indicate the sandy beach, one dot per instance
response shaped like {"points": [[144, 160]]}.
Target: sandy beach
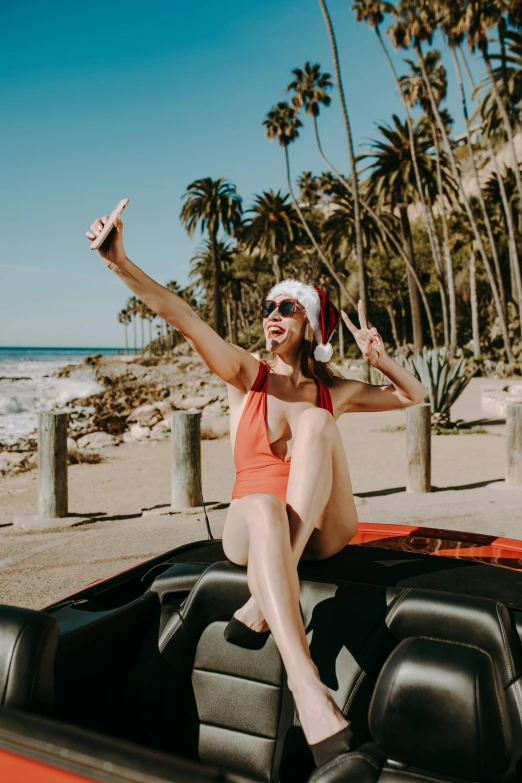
{"points": [[36, 568]]}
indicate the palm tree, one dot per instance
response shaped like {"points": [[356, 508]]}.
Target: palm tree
{"points": [[416, 22], [272, 229], [510, 86], [454, 39], [132, 308], [351, 152], [480, 17], [393, 182], [282, 123], [333, 182], [372, 12], [203, 265], [339, 227], [125, 319], [213, 205], [309, 189], [414, 92], [508, 77], [502, 190]]}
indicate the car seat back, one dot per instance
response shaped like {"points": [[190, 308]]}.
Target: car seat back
{"points": [[438, 712], [28, 643]]}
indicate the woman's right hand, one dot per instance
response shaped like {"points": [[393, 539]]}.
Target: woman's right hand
{"points": [[112, 250]]}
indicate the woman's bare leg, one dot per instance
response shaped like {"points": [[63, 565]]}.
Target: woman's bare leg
{"points": [[320, 504], [261, 521], [320, 508]]}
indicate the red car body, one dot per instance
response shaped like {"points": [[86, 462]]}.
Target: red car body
{"points": [[503, 553]]}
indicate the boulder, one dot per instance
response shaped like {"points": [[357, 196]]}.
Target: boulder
{"points": [[11, 461], [195, 402], [161, 430], [96, 440], [138, 432], [165, 408], [162, 426], [111, 423], [145, 415], [72, 446]]}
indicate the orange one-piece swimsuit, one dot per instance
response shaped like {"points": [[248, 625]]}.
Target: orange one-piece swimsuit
{"points": [[258, 469]]}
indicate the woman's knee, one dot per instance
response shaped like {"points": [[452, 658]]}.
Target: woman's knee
{"points": [[316, 422], [266, 512]]}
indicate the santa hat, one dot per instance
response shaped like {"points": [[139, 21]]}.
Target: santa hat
{"points": [[320, 311]]}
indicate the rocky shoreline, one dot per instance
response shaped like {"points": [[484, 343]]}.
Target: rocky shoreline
{"points": [[139, 394]]}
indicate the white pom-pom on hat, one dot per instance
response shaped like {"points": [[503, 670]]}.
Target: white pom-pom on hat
{"points": [[308, 296], [323, 353]]}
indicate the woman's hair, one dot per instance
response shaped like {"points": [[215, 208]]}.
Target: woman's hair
{"points": [[310, 367]]}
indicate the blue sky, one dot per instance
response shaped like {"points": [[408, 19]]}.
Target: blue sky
{"points": [[102, 101]]}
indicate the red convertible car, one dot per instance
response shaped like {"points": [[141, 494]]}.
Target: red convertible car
{"points": [[416, 631]]}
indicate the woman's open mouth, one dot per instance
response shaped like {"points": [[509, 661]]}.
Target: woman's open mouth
{"points": [[275, 331]]}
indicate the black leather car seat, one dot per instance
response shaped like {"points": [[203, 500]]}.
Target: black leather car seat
{"points": [[206, 699], [28, 643], [470, 620], [438, 712]]}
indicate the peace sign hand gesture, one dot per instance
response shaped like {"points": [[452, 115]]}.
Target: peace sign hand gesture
{"points": [[369, 340]]}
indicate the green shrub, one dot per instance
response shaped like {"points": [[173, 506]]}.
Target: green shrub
{"points": [[444, 379]]}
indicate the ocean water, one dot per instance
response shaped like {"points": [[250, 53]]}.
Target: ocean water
{"points": [[28, 385]]}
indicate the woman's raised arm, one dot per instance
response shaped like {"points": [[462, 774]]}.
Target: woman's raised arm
{"points": [[229, 362]]}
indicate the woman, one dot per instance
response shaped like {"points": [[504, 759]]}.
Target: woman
{"points": [[293, 496]]}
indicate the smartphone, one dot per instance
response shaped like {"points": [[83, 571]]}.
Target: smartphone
{"points": [[109, 225]]}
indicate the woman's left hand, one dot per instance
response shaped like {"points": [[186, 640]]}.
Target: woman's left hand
{"points": [[369, 340]]}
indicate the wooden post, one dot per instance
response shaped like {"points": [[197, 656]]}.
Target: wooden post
{"points": [[52, 465], [514, 443], [186, 457], [418, 447]]}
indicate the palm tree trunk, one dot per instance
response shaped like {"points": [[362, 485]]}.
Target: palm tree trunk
{"points": [[393, 322], [361, 270], [474, 304], [510, 222], [502, 27], [276, 269], [393, 241], [244, 322], [150, 335], [229, 321], [427, 214], [446, 249], [142, 336], [218, 307], [513, 252], [504, 115], [482, 203], [311, 236], [126, 340], [341, 335], [416, 321], [467, 207], [234, 322], [403, 323], [134, 325]]}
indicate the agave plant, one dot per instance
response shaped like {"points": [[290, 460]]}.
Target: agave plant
{"points": [[444, 379]]}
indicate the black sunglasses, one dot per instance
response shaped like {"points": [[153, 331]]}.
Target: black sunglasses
{"points": [[286, 307]]}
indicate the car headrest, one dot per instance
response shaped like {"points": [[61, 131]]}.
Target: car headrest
{"points": [[28, 643], [460, 618], [440, 706]]}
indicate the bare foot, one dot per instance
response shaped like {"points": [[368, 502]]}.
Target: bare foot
{"points": [[319, 715], [251, 615]]}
